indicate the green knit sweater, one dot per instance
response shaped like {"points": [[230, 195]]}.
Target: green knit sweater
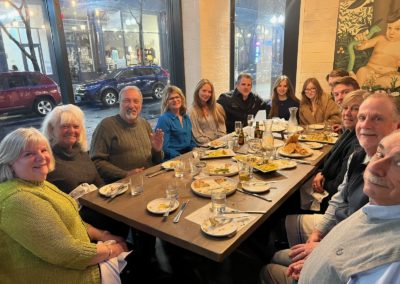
{"points": [[42, 237]]}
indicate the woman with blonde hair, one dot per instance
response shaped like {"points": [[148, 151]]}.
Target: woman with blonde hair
{"points": [[283, 97], [316, 106], [175, 123], [207, 116], [43, 237]]}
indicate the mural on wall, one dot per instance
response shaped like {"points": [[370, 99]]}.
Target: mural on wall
{"points": [[368, 42]]}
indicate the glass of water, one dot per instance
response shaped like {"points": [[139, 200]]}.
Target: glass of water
{"points": [[218, 200], [238, 126], [250, 121]]}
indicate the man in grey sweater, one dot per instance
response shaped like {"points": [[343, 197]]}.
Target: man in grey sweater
{"points": [[124, 144]]}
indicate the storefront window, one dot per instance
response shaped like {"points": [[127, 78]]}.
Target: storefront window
{"points": [[259, 34]]}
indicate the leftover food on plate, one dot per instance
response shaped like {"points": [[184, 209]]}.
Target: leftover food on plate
{"points": [[110, 189], [220, 153], [170, 164], [272, 165], [161, 205], [316, 126], [318, 137], [256, 187], [217, 144], [219, 226], [221, 168], [292, 148], [204, 186]]}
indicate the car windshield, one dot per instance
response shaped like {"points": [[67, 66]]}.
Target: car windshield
{"points": [[110, 75]]}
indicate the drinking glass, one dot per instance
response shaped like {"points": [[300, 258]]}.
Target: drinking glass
{"points": [[250, 121], [218, 200], [172, 191], [238, 126], [179, 169], [245, 171], [255, 145], [136, 184], [267, 144]]}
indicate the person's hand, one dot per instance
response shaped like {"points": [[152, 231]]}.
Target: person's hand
{"points": [[318, 183], [301, 251], [316, 236], [362, 38], [294, 269], [118, 248], [337, 128], [135, 171], [157, 140], [107, 236]]}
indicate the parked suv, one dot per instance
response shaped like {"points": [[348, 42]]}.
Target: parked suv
{"points": [[151, 80], [28, 91]]}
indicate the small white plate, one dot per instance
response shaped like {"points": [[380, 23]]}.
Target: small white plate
{"points": [[220, 153], [109, 189], [316, 126], [161, 205], [226, 168], [256, 186], [313, 145], [170, 164], [219, 227], [216, 144]]}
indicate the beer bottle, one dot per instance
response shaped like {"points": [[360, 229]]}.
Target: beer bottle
{"points": [[257, 131], [241, 137]]}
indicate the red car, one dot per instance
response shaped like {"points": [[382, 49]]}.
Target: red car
{"points": [[28, 91]]}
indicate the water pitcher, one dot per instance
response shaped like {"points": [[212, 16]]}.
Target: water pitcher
{"points": [[292, 124]]}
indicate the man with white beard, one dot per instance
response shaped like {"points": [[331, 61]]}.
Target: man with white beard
{"points": [[124, 144]]}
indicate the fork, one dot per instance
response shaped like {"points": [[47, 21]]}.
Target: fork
{"points": [[166, 214]]}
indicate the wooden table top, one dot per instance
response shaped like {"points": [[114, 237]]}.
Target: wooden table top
{"points": [[132, 209]]}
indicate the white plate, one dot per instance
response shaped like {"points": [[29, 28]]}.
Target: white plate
{"points": [[226, 168], [216, 144], [220, 153], [296, 129], [161, 205], [219, 227], [272, 166], [109, 189], [278, 143], [170, 164], [316, 126], [319, 137], [313, 145], [256, 186], [203, 186], [295, 155]]}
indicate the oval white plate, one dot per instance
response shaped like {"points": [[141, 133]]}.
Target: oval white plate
{"points": [[316, 126], [219, 227], [217, 144], [170, 164], [221, 168], [313, 145], [203, 186], [256, 186], [295, 155], [161, 205], [109, 189]]}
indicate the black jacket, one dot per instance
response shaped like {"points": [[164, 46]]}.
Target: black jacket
{"points": [[236, 109]]}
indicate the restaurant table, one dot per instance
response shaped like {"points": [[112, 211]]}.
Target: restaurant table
{"points": [[132, 210]]}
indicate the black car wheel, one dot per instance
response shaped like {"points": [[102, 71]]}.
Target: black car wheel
{"points": [[109, 98], [43, 106], [158, 91]]}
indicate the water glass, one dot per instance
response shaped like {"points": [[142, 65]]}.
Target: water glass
{"points": [[136, 183], [230, 143], [179, 169], [172, 191], [218, 201], [238, 126], [250, 121], [245, 172]]}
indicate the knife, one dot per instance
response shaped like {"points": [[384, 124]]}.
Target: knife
{"points": [[295, 160], [254, 194], [157, 173], [178, 216]]}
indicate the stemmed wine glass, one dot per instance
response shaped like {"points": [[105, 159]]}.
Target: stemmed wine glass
{"points": [[250, 121]]}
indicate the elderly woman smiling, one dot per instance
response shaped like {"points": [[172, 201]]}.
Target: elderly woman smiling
{"points": [[42, 236]]}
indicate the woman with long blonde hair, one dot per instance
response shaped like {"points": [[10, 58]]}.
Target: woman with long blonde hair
{"points": [[207, 116]]}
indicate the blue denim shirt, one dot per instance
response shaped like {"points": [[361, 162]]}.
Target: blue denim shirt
{"points": [[178, 139]]}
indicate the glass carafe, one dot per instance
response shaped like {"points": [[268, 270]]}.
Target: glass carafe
{"points": [[292, 124]]}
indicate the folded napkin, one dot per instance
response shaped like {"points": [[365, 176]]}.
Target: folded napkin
{"points": [[81, 190], [110, 269], [310, 199]]}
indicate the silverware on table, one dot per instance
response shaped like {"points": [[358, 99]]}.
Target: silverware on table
{"points": [[170, 206], [117, 192], [153, 174], [244, 212], [296, 160], [178, 216], [254, 194]]}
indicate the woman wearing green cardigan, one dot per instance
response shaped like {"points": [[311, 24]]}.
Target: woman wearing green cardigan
{"points": [[42, 237]]}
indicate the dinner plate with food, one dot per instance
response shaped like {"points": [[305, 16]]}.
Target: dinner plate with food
{"points": [[319, 137], [226, 168], [219, 153], [162, 205], [113, 189], [257, 163], [170, 165], [217, 144], [204, 186], [293, 149], [316, 126], [219, 226]]}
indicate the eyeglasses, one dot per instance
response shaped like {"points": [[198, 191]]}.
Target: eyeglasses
{"points": [[310, 90]]}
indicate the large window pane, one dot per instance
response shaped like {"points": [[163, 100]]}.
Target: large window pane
{"points": [[259, 33]]}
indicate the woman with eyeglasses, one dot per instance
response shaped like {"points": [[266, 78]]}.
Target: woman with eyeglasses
{"points": [[316, 106], [175, 123]]}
